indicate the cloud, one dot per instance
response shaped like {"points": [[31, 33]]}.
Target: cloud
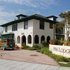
{"points": [[32, 3], [6, 16], [20, 2]]}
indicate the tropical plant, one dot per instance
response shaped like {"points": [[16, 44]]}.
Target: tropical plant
{"points": [[65, 15]]}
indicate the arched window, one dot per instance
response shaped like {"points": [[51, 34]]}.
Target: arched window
{"points": [[42, 39], [29, 39], [18, 39], [36, 39], [48, 39]]}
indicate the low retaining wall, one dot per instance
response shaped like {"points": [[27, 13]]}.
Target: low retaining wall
{"points": [[60, 50]]}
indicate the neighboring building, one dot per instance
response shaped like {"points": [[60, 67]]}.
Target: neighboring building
{"points": [[30, 30]]}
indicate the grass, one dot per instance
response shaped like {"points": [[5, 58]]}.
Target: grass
{"points": [[58, 58], [45, 50], [65, 65]]}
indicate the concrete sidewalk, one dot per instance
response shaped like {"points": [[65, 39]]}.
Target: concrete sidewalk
{"points": [[16, 65]]}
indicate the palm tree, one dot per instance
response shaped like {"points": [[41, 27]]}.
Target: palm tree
{"points": [[66, 16]]}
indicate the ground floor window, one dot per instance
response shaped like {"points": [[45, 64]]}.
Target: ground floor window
{"points": [[36, 39], [18, 39], [29, 39], [42, 39]]}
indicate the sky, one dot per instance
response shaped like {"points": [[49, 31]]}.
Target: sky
{"points": [[10, 8]]}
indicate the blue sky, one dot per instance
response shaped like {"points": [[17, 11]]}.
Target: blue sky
{"points": [[10, 8]]}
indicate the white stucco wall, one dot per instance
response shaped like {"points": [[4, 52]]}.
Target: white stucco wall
{"points": [[46, 32], [33, 29], [21, 31]]}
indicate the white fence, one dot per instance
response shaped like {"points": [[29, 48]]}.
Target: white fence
{"points": [[60, 50]]}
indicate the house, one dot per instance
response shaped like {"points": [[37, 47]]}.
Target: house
{"points": [[30, 30]]}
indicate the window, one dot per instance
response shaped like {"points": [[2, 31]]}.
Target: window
{"points": [[36, 39], [14, 27], [26, 25], [6, 29], [51, 25], [18, 39], [29, 39], [41, 24], [42, 39]]}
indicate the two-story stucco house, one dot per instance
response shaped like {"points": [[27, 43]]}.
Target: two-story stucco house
{"points": [[31, 30]]}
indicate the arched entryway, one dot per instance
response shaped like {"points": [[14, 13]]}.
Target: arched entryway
{"points": [[36, 39], [42, 39], [29, 39], [23, 40], [48, 39]]}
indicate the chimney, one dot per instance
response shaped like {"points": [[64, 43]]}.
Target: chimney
{"points": [[20, 16], [54, 18]]}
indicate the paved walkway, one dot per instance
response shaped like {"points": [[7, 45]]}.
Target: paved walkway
{"points": [[16, 65], [27, 56]]}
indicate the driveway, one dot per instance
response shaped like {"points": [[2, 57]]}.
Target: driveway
{"points": [[27, 56]]}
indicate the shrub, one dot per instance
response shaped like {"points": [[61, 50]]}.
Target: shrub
{"points": [[67, 42], [25, 46], [61, 41], [57, 42], [36, 47], [45, 50], [17, 47], [45, 44], [58, 57], [52, 42], [65, 59]]}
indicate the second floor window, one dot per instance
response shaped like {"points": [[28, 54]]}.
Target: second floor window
{"points": [[41, 24], [26, 25], [51, 25], [6, 29], [14, 27]]}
